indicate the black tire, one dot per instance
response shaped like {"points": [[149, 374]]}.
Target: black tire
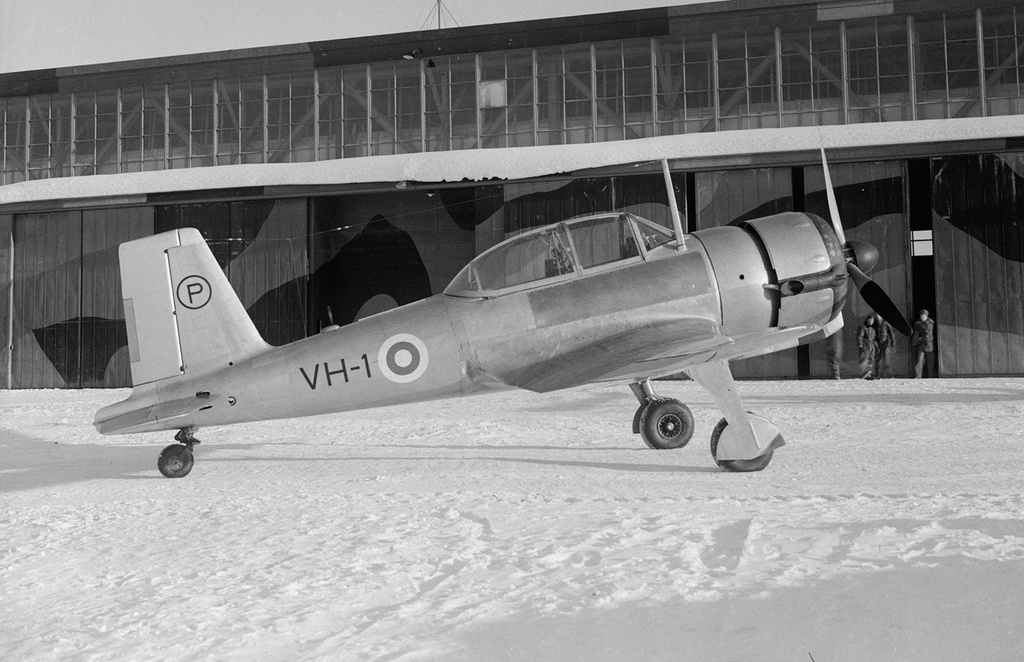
{"points": [[175, 461], [636, 417], [666, 424], [756, 464]]}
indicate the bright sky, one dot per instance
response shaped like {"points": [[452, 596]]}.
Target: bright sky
{"points": [[40, 34]]}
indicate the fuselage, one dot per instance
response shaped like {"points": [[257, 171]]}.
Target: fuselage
{"points": [[728, 292]]}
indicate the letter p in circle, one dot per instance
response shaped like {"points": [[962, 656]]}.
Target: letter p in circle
{"points": [[194, 292]]}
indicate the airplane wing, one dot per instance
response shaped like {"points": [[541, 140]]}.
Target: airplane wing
{"points": [[662, 348], [673, 339]]}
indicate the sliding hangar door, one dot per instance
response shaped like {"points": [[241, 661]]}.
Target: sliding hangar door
{"points": [[297, 265], [949, 230]]}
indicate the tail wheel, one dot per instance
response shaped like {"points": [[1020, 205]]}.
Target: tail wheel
{"points": [[666, 424], [755, 464], [175, 461]]}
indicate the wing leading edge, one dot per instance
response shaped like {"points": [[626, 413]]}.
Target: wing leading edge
{"points": [[607, 357]]}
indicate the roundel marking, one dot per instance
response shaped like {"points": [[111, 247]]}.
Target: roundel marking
{"points": [[403, 358], [194, 292]]}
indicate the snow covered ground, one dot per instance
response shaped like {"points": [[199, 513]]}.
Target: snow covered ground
{"points": [[523, 527]]}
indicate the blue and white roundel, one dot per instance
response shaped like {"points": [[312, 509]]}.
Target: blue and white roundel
{"points": [[403, 358]]}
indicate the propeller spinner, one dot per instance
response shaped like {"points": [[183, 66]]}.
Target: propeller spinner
{"points": [[861, 257]]}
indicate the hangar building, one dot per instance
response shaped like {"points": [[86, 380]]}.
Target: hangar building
{"points": [[236, 143]]}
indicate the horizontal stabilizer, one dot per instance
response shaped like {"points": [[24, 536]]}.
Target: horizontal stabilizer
{"points": [[123, 418]]}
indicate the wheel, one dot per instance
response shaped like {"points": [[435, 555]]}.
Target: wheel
{"points": [[666, 424], [755, 464], [175, 461]]}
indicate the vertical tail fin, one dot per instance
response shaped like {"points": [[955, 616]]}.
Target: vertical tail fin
{"points": [[183, 316]]}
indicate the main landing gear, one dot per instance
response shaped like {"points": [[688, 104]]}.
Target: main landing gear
{"points": [[176, 460], [663, 423]]}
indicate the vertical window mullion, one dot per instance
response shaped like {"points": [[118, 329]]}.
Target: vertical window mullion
{"points": [[536, 109], [447, 96], [912, 59], [947, 98], [266, 132], [746, 77], [565, 88], [878, 73], [28, 135], [191, 125], [423, 105], [74, 133], [593, 91], [369, 112], [778, 73], [316, 114], [216, 119], [167, 126], [844, 75], [3, 147], [716, 83], [120, 129], [979, 34], [652, 45], [476, 103]]}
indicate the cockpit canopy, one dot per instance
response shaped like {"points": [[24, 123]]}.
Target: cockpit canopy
{"points": [[559, 252]]}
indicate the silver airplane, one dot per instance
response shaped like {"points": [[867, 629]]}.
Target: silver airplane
{"points": [[604, 298]]}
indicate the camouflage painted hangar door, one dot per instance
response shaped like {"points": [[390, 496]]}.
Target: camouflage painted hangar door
{"points": [[978, 214], [46, 294], [68, 323]]}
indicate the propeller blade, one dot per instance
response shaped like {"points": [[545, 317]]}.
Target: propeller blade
{"points": [[833, 206], [879, 301]]}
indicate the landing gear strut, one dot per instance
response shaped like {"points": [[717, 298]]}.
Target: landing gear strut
{"points": [[663, 423], [176, 460]]}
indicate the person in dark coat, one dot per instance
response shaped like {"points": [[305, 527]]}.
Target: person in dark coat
{"points": [[922, 342], [886, 339], [867, 345], [834, 352]]}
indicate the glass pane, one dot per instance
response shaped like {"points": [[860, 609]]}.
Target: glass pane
{"points": [[251, 120], [811, 76], [638, 100], [463, 95], [550, 97], [652, 235], [202, 124], [228, 122], [15, 128], [610, 91], [153, 127], [1004, 65], [382, 109], [604, 240], [531, 258], [355, 109]]}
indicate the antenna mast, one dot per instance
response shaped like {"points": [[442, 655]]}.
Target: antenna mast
{"points": [[442, 11]]}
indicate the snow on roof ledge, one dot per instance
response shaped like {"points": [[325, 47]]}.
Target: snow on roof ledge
{"points": [[514, 162]]}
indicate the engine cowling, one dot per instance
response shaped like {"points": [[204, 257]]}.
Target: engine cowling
{"points": [[778, 271]]}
